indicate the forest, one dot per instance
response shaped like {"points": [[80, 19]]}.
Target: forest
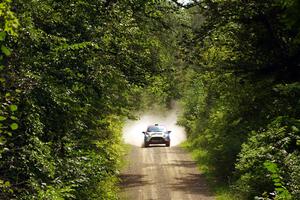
{"points": [[72, 72]]}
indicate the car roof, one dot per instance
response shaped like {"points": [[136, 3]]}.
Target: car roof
{"points": [[156, 128], [156, 125]]}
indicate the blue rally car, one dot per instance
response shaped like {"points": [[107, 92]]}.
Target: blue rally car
{"points": [[157, 134]]}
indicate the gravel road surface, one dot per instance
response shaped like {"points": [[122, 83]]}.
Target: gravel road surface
{"points": [[162, 173]]}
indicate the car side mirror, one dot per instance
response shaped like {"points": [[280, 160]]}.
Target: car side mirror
{"points": [[169, 132], [144, 132]]}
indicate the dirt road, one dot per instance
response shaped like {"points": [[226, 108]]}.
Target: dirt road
{"points": [[162, 173]]}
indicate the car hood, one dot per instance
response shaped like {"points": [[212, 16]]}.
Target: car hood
{"points": [[156, 133]]}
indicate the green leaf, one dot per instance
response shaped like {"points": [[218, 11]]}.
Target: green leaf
{"points": [[271, 167], [14, 126], [5, 50], [7, 184], [2, 142], [2, 118], [13, 117], [295, 129], [279, 189], [13, 108], [2, 36], [1, 67], [278, 184]]}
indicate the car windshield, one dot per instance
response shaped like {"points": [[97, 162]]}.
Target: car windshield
{"points": [[156, 129]]}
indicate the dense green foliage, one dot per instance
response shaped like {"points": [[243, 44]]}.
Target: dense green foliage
{"points": [[8, 97], [71, 71], [242, 94]]}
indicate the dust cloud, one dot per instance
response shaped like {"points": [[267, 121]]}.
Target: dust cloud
{"points": [[132, 131]]}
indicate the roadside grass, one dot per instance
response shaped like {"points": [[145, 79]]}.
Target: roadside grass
{"points": [[222, 191], [126, 148], [124, 162]]}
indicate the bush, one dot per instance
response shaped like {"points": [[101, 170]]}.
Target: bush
{"points": [[278, 144]]}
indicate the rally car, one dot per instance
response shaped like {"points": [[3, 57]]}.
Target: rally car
{"points": [[157, 134]]}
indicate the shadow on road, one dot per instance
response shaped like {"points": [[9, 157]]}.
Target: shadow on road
{"points": [[132, 180], [192, 183], [162, 173]]}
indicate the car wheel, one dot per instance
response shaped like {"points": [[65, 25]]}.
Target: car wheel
{"points": [[146, 145], [167, 144]]}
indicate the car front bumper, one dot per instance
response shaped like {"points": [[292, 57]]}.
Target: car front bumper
{"points": [[157, 140]]}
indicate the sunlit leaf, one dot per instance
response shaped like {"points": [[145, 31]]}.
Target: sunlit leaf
{"points": [[7, 184], [14, 126], [13, 117], [2, 36], [2, 141], [5, 50], [13, 108]]}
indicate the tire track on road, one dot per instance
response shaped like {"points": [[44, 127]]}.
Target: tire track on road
{"points": [[162, 173]]}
